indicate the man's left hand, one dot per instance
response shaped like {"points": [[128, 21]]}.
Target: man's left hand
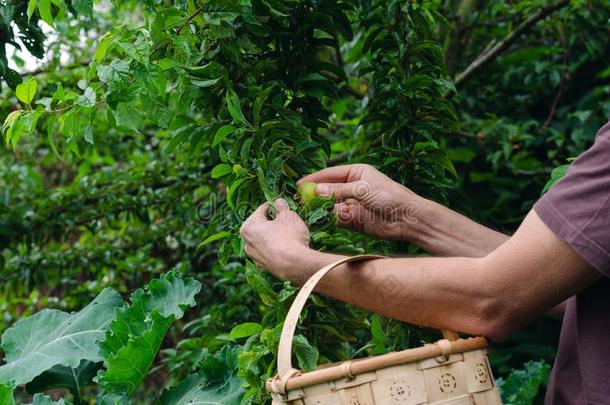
{"points": [[280, 245]]}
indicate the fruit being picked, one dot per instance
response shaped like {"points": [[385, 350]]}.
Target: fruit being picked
{"points": [[306, 192]]}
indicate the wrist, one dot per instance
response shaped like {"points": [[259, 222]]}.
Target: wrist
{"points": [[417, 214], [303, 262]]}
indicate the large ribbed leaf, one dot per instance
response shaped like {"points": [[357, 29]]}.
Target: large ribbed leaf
{"points": [[51, 337], [194, 390], [6, 395], [134, 337], [215, 384], [72, 379]]}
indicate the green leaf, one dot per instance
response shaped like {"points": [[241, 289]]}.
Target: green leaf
{"points": [[26, 91], [87, 99], [221, 169], [172, 294], [215, 237], [522, 386], [217, 382], [203, 83], [72, 379], [257, 280], [233, 189], [31, 8], [115, 72], [179, 138], [83, 7], [51, 137], [306, 354], [103, 45], [377, 331], [234, 106], [10, 123], [222, 133], [556, 175], [50, 337], [44, 9], [246, 329], [127, 366], [128, 117], [20, 123], [134, 337], [6, 395]]}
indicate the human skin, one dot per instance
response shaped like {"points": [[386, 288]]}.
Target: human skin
{"points": [[370, 202], [486, 284], [364, 194]]}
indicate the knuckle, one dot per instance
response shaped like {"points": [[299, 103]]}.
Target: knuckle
{"points": [[361, 189]]}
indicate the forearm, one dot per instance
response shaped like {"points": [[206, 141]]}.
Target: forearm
{"points": [[439, 292], [444, 232], [525, 277]]}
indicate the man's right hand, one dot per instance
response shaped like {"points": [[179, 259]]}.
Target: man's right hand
{"points": [[368, 201]]}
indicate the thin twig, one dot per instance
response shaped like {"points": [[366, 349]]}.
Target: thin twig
{"points": [[188, 20], [564, 78], [489, 55]]}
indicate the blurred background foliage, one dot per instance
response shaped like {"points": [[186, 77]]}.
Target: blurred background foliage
{"points": [[155, 126]]}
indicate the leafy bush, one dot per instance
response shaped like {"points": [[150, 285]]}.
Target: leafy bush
{"points": [[522, 386], [154, 128]]}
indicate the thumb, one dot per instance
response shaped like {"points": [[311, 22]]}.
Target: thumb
{"points": [[283, 210], [342, 191], [281, 205]]}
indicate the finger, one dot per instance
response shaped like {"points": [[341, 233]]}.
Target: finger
{"points": [[248, 250], [343, 213], [337, 174], [283, 211], [251, 253], [281, 205], [350, 215], [261, 213], [357, 190]]}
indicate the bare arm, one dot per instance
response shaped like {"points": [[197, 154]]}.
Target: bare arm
{"points": [[492, 295], [448, 233], [444, 232], [374, 204]]}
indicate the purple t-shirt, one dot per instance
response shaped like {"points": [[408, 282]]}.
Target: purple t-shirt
{"points": [[577, 210]]}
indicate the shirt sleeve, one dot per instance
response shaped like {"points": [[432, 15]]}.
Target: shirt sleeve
{"points": [[577, 207]]}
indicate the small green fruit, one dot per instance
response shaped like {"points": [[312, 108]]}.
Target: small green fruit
{"points": [[306, 192]]}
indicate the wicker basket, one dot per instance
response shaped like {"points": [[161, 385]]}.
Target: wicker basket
{"points": [[451, 371]]}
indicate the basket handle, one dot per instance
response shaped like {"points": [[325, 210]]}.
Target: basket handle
{"points": [[284, 360]]}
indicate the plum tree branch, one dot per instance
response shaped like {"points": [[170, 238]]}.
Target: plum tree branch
{"points": [[494, 51]]}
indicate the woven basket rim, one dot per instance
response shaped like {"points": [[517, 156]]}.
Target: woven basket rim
{"points": [[328, 373]]}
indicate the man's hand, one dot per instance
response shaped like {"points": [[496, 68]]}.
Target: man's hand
{"points": [[279, 245], [367, 200], [370, 202]]}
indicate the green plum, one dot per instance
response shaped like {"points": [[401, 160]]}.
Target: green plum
{"points": [[306, 192]]}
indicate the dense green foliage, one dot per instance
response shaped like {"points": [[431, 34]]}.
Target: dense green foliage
{"points": [[153, 129]]}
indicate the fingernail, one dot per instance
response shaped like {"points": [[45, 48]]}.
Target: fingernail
{"points": [[281, 203], [323, 190]]}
